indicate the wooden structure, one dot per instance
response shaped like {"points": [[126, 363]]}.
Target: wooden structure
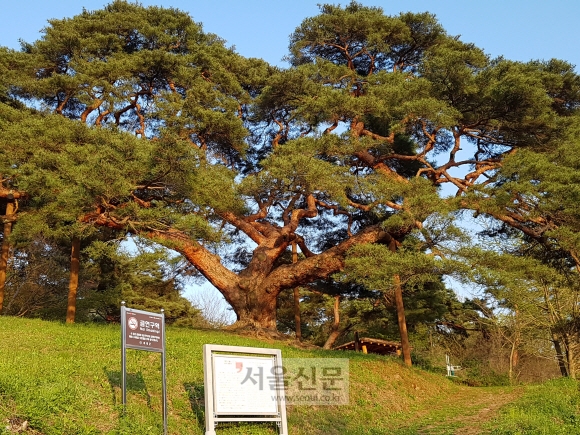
{"points": [[372, 345]]}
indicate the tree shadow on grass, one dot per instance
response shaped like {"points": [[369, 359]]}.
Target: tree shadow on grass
{"points": [[196, 395], [135, 383]]}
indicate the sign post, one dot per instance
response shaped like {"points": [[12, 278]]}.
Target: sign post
{"points": [[143, 330], [243, 384]]}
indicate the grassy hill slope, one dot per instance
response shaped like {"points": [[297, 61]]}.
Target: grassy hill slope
{"points": [[65, 380]]}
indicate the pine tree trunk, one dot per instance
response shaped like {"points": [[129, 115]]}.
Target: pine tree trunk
{"points": [[255, 309], [402, 322], [514, 354], [406, 346], [570, 355], [335, 331], [297, 317], [557, 339], [513, 357], [559, 355], [5, 251], [73, 283]]}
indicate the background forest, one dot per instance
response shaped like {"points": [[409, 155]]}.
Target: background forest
{"points": [[139, 153]]}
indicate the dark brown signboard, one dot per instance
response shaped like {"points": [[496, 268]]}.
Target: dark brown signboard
{"points": [[144, 330]]}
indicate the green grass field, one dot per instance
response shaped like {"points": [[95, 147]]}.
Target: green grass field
{"points": [[65, 380]]}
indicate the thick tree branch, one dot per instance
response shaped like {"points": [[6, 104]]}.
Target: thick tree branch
{"points": [[11, 194], [322, 265], [243, 225]]}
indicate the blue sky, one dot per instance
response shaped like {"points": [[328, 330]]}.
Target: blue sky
{"points": [[517, 29]]}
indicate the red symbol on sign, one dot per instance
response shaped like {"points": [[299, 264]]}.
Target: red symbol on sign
{"points": [[133, 323], [239, 366]]}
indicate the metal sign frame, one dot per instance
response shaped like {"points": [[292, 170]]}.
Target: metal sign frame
{"points": [[213, 416], [152, 340]]}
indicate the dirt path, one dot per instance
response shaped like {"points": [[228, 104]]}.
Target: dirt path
{"points": [[463, 413]]}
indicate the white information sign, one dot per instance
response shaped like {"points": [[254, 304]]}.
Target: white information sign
{"points": [[238, 378], [243, 384]]}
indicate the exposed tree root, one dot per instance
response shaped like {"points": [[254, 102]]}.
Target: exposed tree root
{"points": [[248, 329], [253, 330]]}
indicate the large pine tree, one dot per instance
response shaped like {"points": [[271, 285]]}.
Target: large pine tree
{"points": [[234, 160]]}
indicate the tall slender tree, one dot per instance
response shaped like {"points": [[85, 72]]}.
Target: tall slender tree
{"points": [[73, 284], [5, 254]]}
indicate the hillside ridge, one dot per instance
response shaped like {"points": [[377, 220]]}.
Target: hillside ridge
{"points": [[65, 379]]}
